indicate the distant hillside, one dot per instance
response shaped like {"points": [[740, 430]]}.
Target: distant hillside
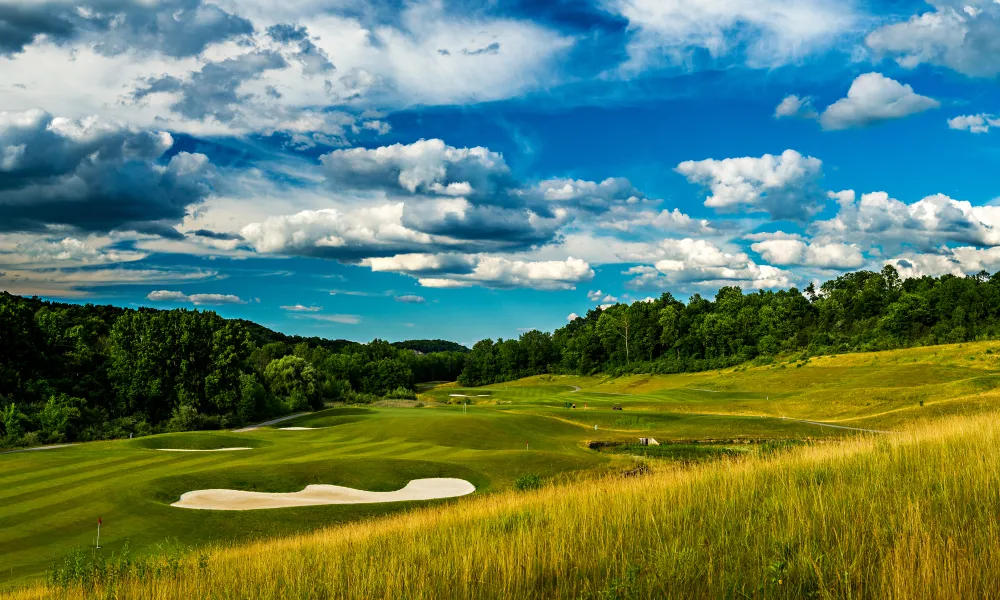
{"points": [[428, 346], [263, 335]]}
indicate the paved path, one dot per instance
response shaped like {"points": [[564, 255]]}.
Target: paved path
{"points": [[839, 426], [38, 448], [266, 423]]}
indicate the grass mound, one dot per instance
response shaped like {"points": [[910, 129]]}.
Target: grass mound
{"points": [[904, 516], [198, 440]]}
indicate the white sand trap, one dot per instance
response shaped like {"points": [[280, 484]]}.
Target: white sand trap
{"points": [[298, 428], [212, 450], [316, 495]]}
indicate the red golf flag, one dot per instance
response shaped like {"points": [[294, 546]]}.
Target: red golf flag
{"points": [[99, 520]]}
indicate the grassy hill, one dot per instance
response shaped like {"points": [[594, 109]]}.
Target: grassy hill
{"points": [[772, 490]]}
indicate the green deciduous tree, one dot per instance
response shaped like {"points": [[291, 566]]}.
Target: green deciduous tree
{"points": [[293, 380], [62, 417], [384, 375], [12, 420], [613, 327]]}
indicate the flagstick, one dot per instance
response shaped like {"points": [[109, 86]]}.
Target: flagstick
{"points": [[98, 534]]}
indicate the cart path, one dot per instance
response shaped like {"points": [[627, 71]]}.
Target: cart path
{"points": [[839, 426], [266, 423], [38, 448]]}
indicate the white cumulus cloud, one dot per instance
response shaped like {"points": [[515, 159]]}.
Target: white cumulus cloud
{"points": [[599, 296], [877, 218], [874, 98], [963, 35], [980, 123], [810, 254], [785, 186], [959, 261], [452, 271], [426, 166], [700, 263], [795, 106]]}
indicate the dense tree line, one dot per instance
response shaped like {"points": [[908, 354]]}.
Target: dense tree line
{"points": [[861, 311], [85, 372]]}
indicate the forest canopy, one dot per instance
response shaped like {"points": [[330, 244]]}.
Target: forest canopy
{"points": [[85, 372]]}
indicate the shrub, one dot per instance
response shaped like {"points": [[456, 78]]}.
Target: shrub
{"points": [[402, 393], [361, 398], [187, 418], [525, 483]]}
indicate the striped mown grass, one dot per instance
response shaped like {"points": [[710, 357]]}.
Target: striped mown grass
{"points": [[911, 515]]}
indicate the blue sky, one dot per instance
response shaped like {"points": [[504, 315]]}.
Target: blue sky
{"points": [[476, 169]]}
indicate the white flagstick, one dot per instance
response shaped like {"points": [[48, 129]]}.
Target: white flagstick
{"points": [[98, 533]]}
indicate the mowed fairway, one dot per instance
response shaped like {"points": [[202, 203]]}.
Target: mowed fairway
{"points": [[50, 500]]}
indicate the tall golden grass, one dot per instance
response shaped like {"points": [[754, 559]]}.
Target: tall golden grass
{"points": [[913, 515]]}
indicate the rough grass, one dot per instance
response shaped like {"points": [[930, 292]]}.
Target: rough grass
{"points": [[680, 452], [911, 515], [878, 390]]}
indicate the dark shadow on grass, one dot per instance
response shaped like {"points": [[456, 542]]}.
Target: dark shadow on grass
{"points": [[199, 440], [329, 417]]}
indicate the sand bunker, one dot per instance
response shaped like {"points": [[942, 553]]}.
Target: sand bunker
{"points": [[316, 495], [192, 450], [297, 428]]}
